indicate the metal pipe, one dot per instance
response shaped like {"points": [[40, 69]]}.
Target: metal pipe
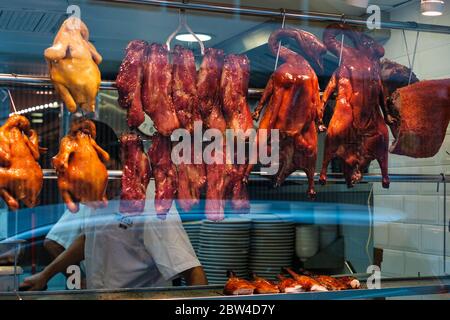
{"points": [[291, 14], [301, 176]]}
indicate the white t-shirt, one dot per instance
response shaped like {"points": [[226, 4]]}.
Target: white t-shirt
{"points": [[68, 228], [135, 251]]}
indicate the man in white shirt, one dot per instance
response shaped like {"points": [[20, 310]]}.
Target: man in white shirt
{"points": [[127, 251]]}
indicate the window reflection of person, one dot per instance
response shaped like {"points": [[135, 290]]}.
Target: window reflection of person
{"points": [[124, 251]]}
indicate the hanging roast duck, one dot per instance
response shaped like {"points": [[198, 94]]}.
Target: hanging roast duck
{"points": [[357, 132]]}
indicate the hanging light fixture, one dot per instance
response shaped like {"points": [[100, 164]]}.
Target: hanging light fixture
{"points": [[432, 8]]}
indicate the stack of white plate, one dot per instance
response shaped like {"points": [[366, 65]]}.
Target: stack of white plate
{"points": [[193, 231], [328, 234], [224, 246], [307, 241], [272, 246]]}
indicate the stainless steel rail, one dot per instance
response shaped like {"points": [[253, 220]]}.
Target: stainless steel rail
{"points": [[27, 81], [289, 14], [300, 176]]}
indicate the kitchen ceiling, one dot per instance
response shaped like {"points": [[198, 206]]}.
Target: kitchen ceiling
{"points": [[28, 27]]}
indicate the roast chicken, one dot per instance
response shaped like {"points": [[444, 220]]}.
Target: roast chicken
{"points": [[208, 90], [263, 286], [164, 172], [238, 286], [288, 285], [357, 132], [73, 64], [80, 167], [21, 177], [129, 82], [157, 90], [136, 174], [307, 283], [292, 98]]}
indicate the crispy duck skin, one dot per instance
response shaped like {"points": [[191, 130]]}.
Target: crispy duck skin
{"points": [[288, 285], [129, 82], [164, 172], [237, 286], [208, 89], [307, 283], [80, 167], [292, 98], [357, 132], [263, 286], [157, 90], [184, 88], [73, 66], [136, 174], [21, 177]]}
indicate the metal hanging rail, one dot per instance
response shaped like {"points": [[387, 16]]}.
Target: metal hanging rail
{"points": [[300, 176], [289, 14]]}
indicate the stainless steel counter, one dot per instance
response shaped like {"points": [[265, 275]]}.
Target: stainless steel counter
{"points": [[389, 288]]}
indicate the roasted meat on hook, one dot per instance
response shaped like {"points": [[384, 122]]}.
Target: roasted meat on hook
{"points": [[80, 167], [208, 90], [157, 90], [292, 99], [21, 177], [357, 132], [164, 172], [129, 82], [136, 174], [73, 62]]}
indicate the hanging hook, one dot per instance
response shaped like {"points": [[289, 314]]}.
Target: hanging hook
{"points": [[183, 23], [414, 58], [407, 49], [12, 101], [283, 23]]}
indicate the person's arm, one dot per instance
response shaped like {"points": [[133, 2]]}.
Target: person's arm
{"points": [[73, 255], [53, 248], [195, 276]]}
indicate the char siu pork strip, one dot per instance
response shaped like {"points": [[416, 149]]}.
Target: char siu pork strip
{"points": [[136, 174], [208, 89], [237, 286], [129, 82], [164, 172], [157, 90], [184, 87]]}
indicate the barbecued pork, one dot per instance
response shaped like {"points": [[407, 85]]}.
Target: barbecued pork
{"points": [[307, 283], [157, 90], [164, 172], [208, 89], [263, 286], [237, 286], [129, 82], [136, 174]]}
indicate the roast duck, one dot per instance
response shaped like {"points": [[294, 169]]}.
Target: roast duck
{"points": [[419, 111], [357, 133], [237, 286], [21, 177], [80, 167], [135, 176], [291, 99], [73, 65]]}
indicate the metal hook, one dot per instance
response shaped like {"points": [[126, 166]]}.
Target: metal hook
{"points": [[183, 23], [414, 58], [12, 101], [283, 23], [407, 49]]}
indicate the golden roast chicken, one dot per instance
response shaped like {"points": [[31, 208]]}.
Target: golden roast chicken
{"points": [[80, 166], [73, 62], [21, 176]]}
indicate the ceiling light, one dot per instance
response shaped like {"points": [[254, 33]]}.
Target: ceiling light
{"points": [[358, 3], [187, 37], [432, 8]]}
